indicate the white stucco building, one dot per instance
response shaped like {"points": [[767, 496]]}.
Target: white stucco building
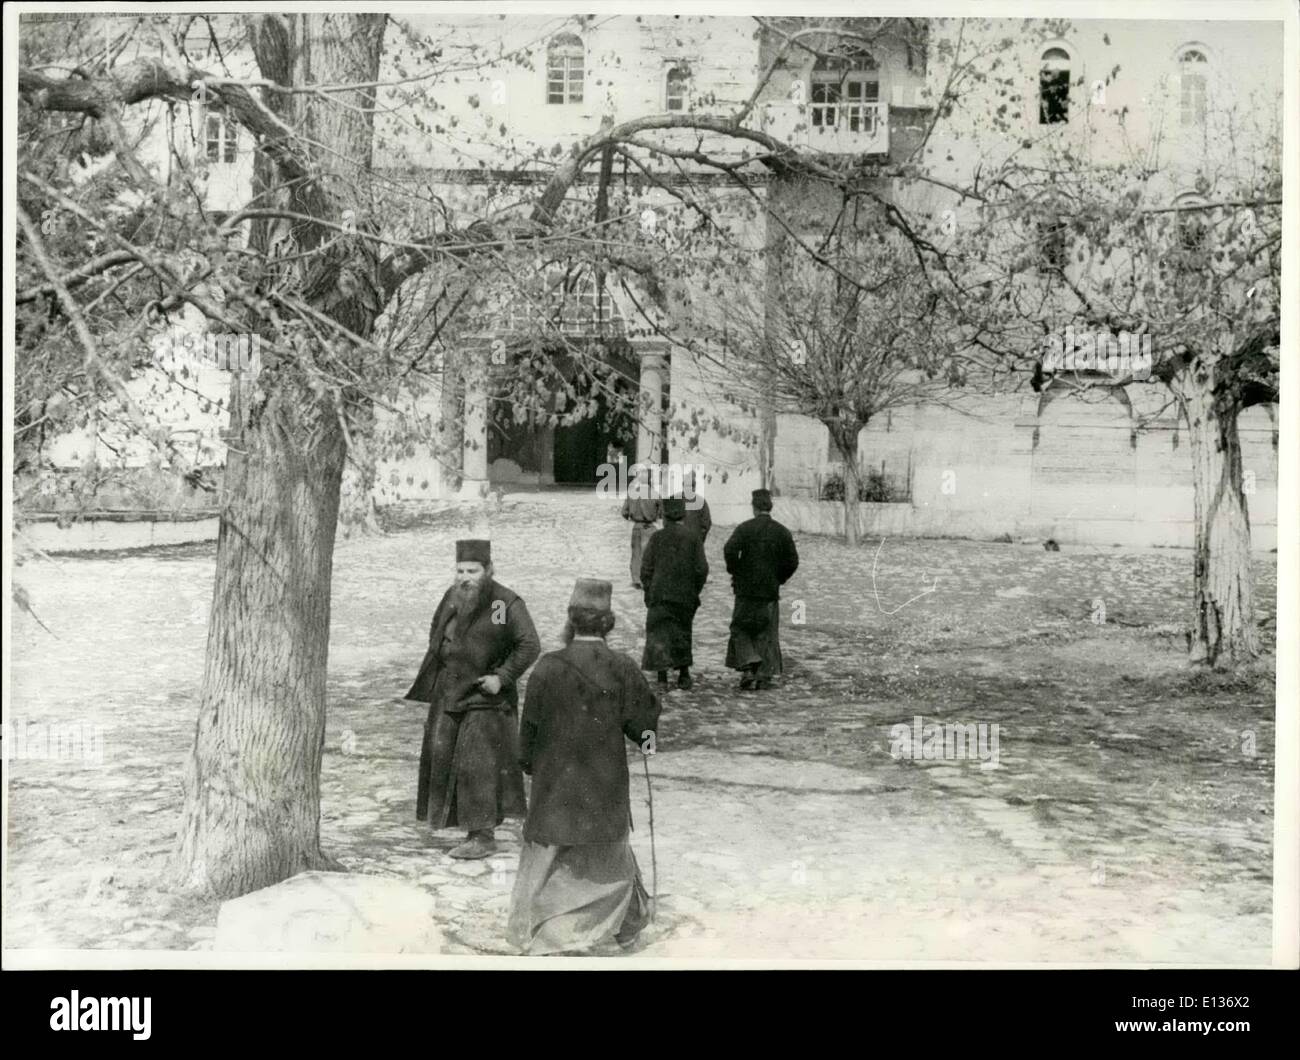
{"points": [[524, 89]]}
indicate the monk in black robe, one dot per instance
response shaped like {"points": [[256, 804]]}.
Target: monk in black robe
{"points": [[481, 642], [698, 519], [579, 884], [761, 557], [673, 571]]}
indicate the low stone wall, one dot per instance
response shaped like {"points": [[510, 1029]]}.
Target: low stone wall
{"points": [[823, 517], [907, 520], [115, 531]]}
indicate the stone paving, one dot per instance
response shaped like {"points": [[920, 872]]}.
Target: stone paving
{"points": [[1129, 816]]}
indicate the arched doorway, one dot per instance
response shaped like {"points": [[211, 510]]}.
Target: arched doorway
{"points": [[567, 382], [1083, 456], [586, 416], [581, 447]]}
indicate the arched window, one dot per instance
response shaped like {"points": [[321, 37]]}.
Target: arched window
{"points": [[1193, 224], [1193, 65], [221, 138], [677, 92], [580, 303], [1054, 87], [564, 69], [845, 91], [575, 301]]}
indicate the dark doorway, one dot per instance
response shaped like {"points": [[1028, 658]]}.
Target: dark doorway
{"points": [[578, 452], [581, 448], [570, 453]]}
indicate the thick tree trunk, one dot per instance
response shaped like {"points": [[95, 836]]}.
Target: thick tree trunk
{"points": [[767, 444], [252, 786], [1223, 620]]}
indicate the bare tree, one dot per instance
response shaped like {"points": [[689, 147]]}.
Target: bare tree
{"points": [[1186, 284], [841, 336]]}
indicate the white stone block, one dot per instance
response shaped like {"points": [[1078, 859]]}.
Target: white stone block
{"points": [[331, 912]]}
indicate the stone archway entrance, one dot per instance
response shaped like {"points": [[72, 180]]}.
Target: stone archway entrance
{"points": [[555, 386], [1083, 460], [523, 447]]}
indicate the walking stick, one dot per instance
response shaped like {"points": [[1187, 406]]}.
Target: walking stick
{"points": [[654, 865]]}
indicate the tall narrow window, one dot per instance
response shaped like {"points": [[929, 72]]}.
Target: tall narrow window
{"points": [[564, 69], [221, 138], [678, 87], [846, 92], [1054, 87], [1192, 66]]}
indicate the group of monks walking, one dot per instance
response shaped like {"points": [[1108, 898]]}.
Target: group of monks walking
{"points": [[578, 884], [670, 567]]}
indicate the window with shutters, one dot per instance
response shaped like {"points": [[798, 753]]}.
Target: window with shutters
{"points": [[565, 59]]}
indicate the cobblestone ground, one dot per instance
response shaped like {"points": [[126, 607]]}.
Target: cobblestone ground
{"points": [[1129, 816]]}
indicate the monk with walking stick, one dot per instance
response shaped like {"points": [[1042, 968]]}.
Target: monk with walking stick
{"points": [[579, 884]]}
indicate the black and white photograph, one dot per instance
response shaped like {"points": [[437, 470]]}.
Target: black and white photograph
{"points": [[651, 485]]}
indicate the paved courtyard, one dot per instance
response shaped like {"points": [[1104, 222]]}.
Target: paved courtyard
{"points": [[1127, 817]]}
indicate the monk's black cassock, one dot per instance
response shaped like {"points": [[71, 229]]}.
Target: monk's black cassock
{"points": [[673, 571], [578, 880], [761, 557], [698, 519], [469, 773]]}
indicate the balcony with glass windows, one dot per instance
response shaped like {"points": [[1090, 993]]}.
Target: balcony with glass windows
{"points": [[835, 127]]}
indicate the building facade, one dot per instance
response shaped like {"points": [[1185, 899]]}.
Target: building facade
{"points": [[521, 91]]}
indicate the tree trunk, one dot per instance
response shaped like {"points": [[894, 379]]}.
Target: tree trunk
{"points": [[252, 786], [767, 443], [1223, 619], [845, 438], [852, 504], [251, 815]]}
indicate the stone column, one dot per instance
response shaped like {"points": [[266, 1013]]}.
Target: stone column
{"points": [[652, 356], [474, 464], [546, 455], [448, 437]]}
